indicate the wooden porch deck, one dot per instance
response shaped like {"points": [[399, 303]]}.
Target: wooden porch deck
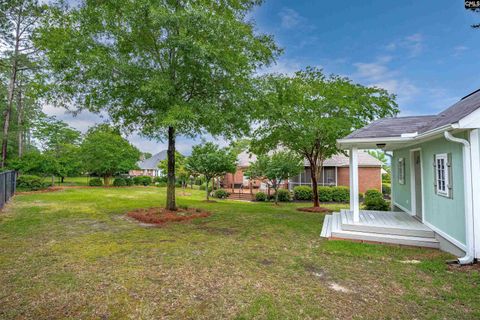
{"points": [[379, 226]]}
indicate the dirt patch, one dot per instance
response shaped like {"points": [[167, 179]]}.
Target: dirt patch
{"points": [[161, 216], [315, 209], [266, 262], [467, 268], [218, 230], [49, 189]]}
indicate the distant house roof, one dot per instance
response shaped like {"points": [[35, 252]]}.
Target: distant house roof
{"points": [[395, 127], [153, 161], [338, 160]]}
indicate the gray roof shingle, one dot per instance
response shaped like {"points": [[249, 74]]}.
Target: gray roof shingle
{"points": [[153, 161], [395, 127]]}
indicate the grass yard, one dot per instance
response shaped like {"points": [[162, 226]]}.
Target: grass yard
{"points": [[73, 254]]}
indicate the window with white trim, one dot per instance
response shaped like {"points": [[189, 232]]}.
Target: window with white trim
{"points": [[442, 175], [401, 171]]}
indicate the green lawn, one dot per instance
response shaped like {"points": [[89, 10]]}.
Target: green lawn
{"points": [[72, 254]]}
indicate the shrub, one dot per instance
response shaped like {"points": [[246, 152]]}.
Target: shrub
{"points": [[386, 189], [284, 195], [374, 201], [128, 181], [142, 180], [340, 194], [302, 193], [119, 182], [260, 196], [221, 194], [95, 182], [361, 196], [30, 183], [161, 184], [159, 179], [325, 194]]}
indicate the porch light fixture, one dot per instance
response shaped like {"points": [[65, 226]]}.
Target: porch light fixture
{"points": [[381, 145]]}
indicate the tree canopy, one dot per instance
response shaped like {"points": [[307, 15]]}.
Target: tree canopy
{"points": [[211, 161], [308, 112], [276, 168], [163, 68], [105, 152]]}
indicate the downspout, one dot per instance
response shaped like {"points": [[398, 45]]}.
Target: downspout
{"points": [[467, 173]]}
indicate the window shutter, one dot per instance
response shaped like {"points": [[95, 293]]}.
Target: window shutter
{"points": [[435, 174], [450, 180]]}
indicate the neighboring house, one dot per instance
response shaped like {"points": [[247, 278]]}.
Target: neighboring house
{"points": [[334, 173], [149, 167], [435, 181]]}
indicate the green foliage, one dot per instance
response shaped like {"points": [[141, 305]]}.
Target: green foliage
{"points": [[386, 189], [283, 195], [30, 183], [181, 172], [307, 113], [203, 186], [142, 180], [302, 193], [95, 182], [129, 182], [261, 196], [275, 168], [381, 156], [34, 163], [374, 201], [325, 194], [161, 184], [221, 194], [169, 67], [159, 179], [340, 194], [211, 161], [105, 153], [119, 182]]}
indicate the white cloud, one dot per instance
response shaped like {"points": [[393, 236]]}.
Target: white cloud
{"points": [[290, 18], [413, 44], [459, 50]]}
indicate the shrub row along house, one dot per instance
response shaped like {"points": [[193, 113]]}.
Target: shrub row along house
{"points": [[435, 181], [335, 172]]}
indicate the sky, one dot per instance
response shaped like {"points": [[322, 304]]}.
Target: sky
{"points": [[424, 51]]}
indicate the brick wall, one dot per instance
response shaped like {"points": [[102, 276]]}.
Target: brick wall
{"points": [[368, 178]]}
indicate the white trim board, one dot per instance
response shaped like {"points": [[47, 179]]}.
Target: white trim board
{"points": [[403, 208], [446, 236]]}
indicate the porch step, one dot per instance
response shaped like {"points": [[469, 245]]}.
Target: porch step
{"points": [[385, 222], [338, 233], [327, 227], [241, 196]]}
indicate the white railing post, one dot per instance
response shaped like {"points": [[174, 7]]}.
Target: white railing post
{"points": [[354, 203]]}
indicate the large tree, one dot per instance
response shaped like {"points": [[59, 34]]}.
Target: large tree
{"points": [[308, 112], [165, 68], [105, 153], [211, 162], [18, 56]]}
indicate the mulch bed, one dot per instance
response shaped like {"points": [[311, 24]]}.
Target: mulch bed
{"points": [[315, 209], [161, 216], [49, 189], [467, 268]]}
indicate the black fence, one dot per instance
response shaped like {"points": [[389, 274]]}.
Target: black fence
{"points": [[8, 181]]}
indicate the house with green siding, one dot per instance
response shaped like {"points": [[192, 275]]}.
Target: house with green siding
{"points": [[435, 182]]}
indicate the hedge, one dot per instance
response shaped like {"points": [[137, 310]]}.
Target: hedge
{"points": [[340, 194], [325, 194], [260, 196], [30, 183], [95, 182], [284, 195], [119, 182], [142, 180], [302, 193], [221, 194]]}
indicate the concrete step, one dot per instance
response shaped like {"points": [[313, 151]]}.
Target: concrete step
{"points": [[398, 224], [241, 196]]}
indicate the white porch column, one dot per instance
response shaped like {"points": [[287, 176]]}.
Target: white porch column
{"points": [[354, 203], [475, 163]]}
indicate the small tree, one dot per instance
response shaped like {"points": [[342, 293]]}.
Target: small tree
{"points": [[276, 168], [181, 173], [105, 152], [211, 161]]}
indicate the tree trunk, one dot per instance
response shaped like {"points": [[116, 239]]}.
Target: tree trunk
{"points": [[313, 175], [11, 92], [106, 181], [62, 179], [206, 189], [19, 123], [171, 205], [275, 188]]}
